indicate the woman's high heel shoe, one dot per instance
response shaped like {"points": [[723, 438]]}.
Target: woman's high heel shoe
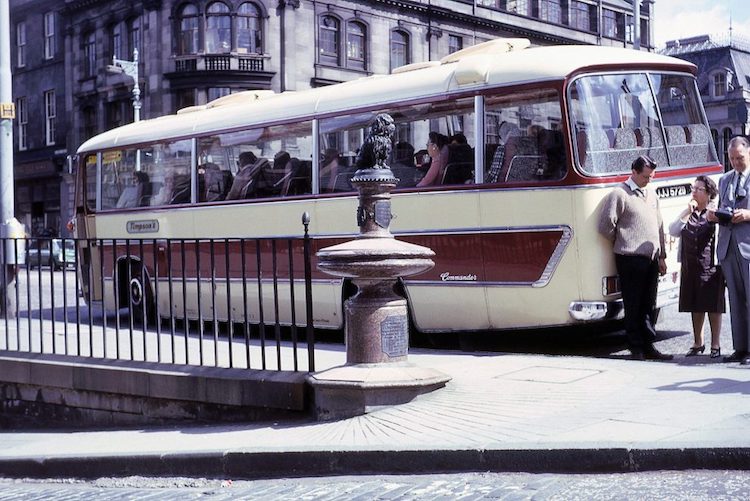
{"points": [[715, 352], [696, 350]]}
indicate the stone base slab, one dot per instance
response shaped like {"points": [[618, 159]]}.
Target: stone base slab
{"points": [[353, 390]]}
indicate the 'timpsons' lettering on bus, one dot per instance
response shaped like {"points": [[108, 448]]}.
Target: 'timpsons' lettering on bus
{"points": [[144, 226], [447, 277]]}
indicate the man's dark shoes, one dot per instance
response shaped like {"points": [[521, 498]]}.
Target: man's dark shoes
{"points": [[737, 356], [649, 354], [745, 360], [654, 354]]}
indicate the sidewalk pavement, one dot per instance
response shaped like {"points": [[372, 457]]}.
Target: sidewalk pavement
{"points": [[499, 412]]}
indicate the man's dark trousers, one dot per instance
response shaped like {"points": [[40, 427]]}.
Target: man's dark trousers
{"points": [[639, 280]]}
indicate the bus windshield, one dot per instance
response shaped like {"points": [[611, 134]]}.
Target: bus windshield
{"points": [[618, 117]]}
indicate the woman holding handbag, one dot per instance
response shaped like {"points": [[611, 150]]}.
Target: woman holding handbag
{"points": [[701, 281]]}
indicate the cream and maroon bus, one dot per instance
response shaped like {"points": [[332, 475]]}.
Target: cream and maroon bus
{"points": [[512, 216]]}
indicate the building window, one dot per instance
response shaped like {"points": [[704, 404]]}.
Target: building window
{"points": [[580, 16], [50, 115], [518, 7], [249, 35], [134, 35], [719, 84], [189, 31], [185, 98], [21, 45], [356, 45], [49, 35], [645, 41], [217, 92], [610, 23], [218, 29], [613, 24], [89, 122], [455, 43], [116, 41], [114, 115], [22, 118], [89, 55], [330, 37], [550, 11], [399, 49]]}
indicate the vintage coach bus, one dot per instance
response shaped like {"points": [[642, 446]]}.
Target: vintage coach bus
{"points": [[511, 218]]}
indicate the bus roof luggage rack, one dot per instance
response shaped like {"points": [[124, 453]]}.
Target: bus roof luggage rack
{"points": [[415, 66], [247, 95], [497, 46]]}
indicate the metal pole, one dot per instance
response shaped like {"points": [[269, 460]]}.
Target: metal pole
{"points": [[6, 118], [636, 24], [130, 68], [10, 228]]}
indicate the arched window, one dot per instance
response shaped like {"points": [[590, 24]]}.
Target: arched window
{"points": [[249, 35], [189, 31], [218, 29], [356, 45], [329, 40], [400, 49]]}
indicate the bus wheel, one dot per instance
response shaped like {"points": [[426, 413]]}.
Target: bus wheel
{"points": [[140, 296]]}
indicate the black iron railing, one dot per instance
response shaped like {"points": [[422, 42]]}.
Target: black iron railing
{"points": [[228, 302]]}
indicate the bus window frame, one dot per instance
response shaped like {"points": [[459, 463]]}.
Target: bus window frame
{"points": [[575, 161]]}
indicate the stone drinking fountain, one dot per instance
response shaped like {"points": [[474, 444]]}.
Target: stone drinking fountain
{"points": [[377, 372]]}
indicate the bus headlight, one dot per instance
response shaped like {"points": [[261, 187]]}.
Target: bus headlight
{"points": [[588, 310]]}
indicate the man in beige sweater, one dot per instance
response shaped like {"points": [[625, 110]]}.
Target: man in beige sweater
{"points": [[631, 220]]}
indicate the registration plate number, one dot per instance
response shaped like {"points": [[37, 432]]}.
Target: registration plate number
{"points": [[678, 190]]}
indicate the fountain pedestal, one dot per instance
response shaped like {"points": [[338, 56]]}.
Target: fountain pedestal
{"points": [[377, 371]]}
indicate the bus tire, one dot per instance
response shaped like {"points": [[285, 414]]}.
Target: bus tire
{"points": [[140, 296]]}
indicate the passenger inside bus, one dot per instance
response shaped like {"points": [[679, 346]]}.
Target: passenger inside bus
{"points": [[164, 195], [437, 148], [249, 168], [507, 132], [136, 195], [460, 166], [403, 166]]}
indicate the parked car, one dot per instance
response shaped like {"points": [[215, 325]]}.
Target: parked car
{"points": [[39, 253]]}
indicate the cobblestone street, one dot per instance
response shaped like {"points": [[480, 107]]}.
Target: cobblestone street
{"points": [[686, 485]]}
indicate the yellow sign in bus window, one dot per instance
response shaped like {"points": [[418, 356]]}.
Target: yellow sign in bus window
{"points": [[111, 156]]}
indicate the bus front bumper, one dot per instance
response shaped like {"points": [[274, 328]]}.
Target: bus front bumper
{"points": [[587, 311]]}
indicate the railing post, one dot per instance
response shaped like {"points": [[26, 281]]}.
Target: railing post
{"points": [[310, 331]]}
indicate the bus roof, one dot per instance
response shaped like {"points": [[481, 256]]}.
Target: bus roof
{"points": [[500, 62]]}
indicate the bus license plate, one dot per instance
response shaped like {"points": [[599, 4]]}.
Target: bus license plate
{"points": [[677, 190]]}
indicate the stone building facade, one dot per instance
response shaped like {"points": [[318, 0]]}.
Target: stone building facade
{"points": [[193, 51], [723, 81]]}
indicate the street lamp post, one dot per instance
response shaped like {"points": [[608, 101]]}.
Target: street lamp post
{"points": [[130, 68]]}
